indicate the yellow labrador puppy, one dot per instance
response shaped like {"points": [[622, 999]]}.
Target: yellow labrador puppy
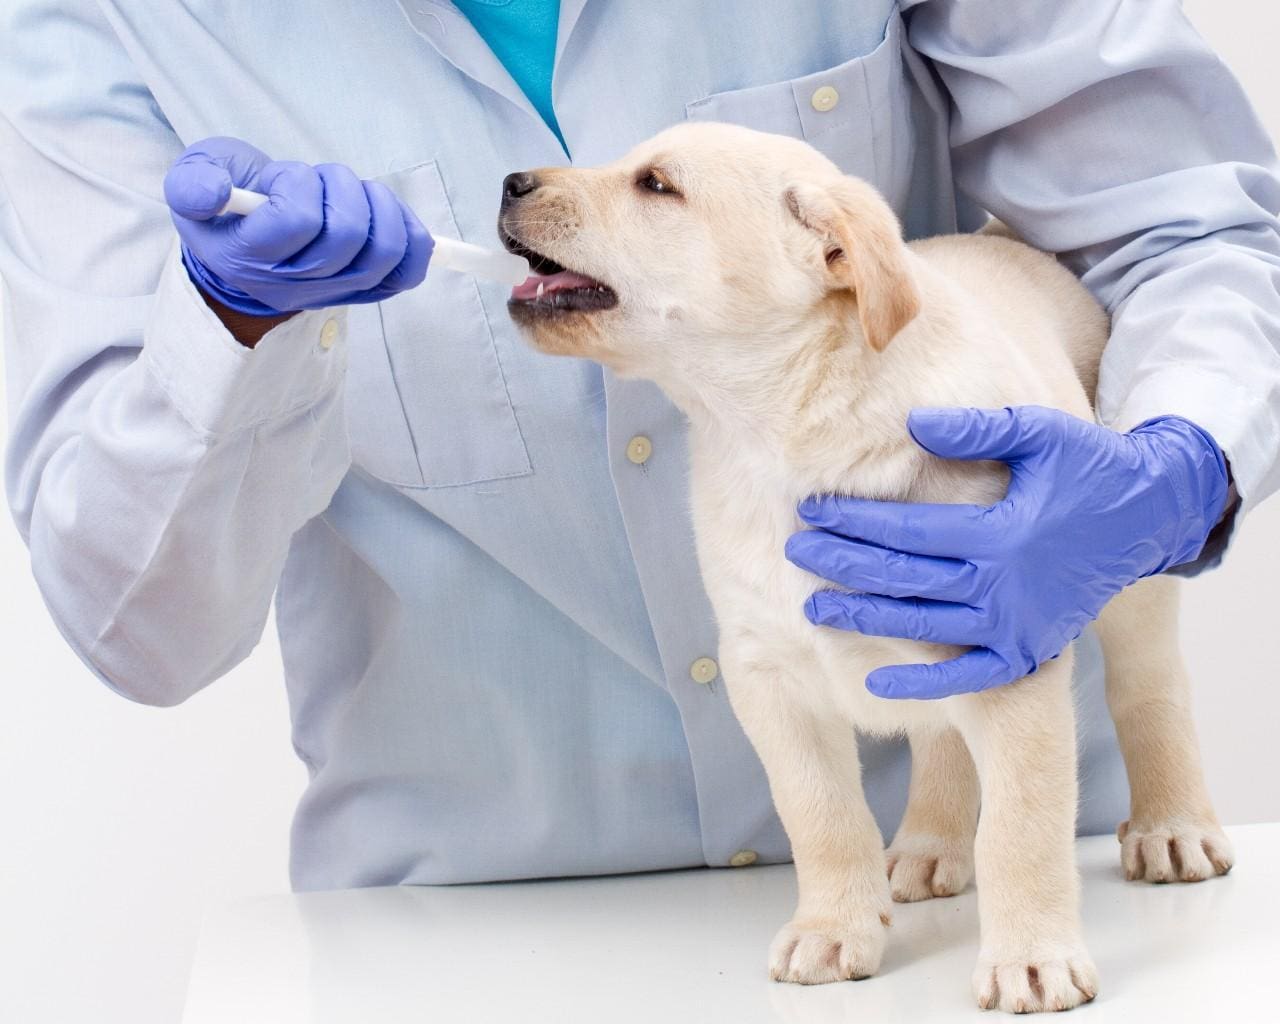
{"points": [[774, 301]]}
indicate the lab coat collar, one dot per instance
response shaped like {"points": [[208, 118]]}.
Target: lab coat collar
{"points": [[569, 12], [457, 41], [455, 38]]}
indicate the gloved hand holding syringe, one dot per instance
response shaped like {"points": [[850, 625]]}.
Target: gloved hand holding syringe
{"points": [[307, 237], [464, 257]]}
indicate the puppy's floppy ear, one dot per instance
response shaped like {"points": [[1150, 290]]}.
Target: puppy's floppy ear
{"points": [[864, 252]]}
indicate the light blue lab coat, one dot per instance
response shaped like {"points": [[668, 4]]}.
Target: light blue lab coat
{"points": [[488, 612]]}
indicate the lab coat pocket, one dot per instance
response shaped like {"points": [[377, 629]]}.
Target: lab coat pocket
{"points": [[856, 113], [427, 401]]}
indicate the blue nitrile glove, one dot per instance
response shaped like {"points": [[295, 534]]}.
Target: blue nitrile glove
{"points": [[324, 238], [1088, 512]]}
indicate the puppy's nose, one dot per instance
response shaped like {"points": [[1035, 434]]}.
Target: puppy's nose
{"points": [[516, 186]]}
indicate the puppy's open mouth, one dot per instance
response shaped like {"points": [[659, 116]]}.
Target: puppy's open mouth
{"points": [[551, 289]]}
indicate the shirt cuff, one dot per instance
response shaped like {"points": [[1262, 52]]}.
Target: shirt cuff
{"points": [[221, 386], [1242, 423]]}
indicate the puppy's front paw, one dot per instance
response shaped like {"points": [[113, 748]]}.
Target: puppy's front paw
{"points": [[923, 866], [1173, 851], [813, 952], [1035, 984]]}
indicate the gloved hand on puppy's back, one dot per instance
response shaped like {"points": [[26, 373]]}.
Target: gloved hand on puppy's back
{"points": [[1088, 512], [323, 238]]}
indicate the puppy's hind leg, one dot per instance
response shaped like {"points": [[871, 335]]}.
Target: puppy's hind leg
{"points": [[1172, 834], [932, 853], [838, 931]]}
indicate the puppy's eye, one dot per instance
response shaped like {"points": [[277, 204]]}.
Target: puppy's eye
{"points": [[653, 180]]}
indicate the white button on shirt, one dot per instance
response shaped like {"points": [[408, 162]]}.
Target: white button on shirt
{"points": [[743, 858], [329, 334], [639, 448], [704, 670], [824, 98]]}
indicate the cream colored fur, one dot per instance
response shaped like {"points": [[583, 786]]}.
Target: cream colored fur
{"points": [[774, 301]]}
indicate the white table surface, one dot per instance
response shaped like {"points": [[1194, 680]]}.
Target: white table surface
{"points": [[689, 946]]}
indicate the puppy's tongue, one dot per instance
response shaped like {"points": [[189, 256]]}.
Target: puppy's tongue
{"points": [[557, 282]]}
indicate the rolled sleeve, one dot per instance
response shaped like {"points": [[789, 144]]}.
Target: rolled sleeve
{"points": [[157, 469], [220, 385], [1109, 133]]}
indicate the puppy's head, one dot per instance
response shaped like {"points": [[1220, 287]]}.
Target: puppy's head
{"points": [[700, 252]]}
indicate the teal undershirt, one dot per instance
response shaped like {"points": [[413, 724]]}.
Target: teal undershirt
{"points": [[521, 34]]}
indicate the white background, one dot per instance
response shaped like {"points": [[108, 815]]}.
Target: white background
{"points": [[120, 823]]}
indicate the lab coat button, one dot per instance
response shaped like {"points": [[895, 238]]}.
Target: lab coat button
{"points": [[824, 98], [639, 448], [743, 858], [328, 334], [704, 670]]}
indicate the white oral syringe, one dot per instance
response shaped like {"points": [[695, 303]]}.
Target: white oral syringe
{"points": [[450, 253]]}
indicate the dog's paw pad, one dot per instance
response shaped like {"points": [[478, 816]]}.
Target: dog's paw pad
{"points": [[1169, 851], [1035, 986], [922, 867], [817, 952]]}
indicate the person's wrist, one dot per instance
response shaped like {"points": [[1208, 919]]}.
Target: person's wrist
{"points": [[229, 297], [246, 329], [1195, 471]]}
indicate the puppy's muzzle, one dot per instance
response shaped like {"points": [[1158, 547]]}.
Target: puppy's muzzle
{"points": [[516, 186], [552, 289]]}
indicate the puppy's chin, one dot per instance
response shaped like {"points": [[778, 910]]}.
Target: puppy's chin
{"points": [[557, 341], [564, 334]]}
